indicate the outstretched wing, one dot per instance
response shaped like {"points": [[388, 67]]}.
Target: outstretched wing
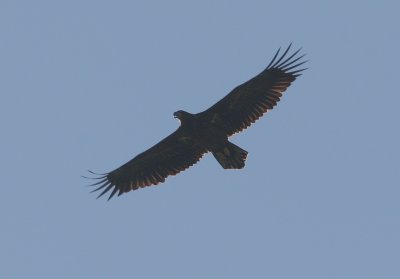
{"points": [[250, 100], [170, 156]]}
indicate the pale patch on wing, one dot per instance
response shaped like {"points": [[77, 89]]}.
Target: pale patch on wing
{"points": [[220, 155], [186, 140], [215, 119], [227, 152], [235, 99]]}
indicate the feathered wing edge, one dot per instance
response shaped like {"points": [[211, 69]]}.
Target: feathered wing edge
{"points": [[106, 184], [249, 101], [169, 157], [288, 72], [287, 64]]}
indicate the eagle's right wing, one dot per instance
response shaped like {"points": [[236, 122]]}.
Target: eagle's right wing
{"points": [[170, 156]]}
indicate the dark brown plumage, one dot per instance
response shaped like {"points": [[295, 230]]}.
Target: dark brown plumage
{"points": [[207, 131]]}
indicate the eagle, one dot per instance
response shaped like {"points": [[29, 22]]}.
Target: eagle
{"points": [[207, 131]]}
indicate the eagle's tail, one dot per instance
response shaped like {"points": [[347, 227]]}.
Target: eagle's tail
{"points": [[231, 156]]}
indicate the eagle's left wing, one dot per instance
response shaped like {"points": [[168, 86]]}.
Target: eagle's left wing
{"points": [[250, 100]]}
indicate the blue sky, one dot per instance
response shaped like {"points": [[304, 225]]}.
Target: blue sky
{"points": [[90, 84]]}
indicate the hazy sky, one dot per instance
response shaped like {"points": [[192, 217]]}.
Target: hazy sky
{"points": [[90, 84]]}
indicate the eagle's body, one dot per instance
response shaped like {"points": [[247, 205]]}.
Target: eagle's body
{"points": [[199, 130], [207, 131]]}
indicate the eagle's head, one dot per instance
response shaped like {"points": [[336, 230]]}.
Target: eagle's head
{"points": [[183, 116]]}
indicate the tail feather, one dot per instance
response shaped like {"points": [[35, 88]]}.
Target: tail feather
{"points": [[231, 156]]}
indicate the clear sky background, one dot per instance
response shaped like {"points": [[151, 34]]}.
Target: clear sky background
{"points": [[90, 84]]}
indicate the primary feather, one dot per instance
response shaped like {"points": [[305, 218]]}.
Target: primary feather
{"points": [[250, 100]]}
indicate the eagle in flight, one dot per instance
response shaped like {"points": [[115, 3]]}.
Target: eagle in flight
{"points": [[207, 131]]}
